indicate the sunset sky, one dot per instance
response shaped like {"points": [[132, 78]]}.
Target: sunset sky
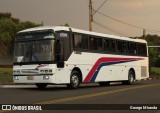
{"points": [[141, 13]]}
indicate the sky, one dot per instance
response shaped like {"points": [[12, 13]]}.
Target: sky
{"points": [[141, 13]]}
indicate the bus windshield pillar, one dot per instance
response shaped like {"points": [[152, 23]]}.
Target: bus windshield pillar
{"points": [[59, 54]]}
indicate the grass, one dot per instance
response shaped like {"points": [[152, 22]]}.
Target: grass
{"points": [[155, 71], [6, 76]]}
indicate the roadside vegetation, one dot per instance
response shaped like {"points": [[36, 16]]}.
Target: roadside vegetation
{"points": [[155, 71], [6, 76]]}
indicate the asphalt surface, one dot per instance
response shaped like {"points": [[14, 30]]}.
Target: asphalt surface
{"points": [[142, 92]]}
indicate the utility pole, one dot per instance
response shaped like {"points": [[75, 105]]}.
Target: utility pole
{"points": [[90, 15], [144, 33], [149, 63]]}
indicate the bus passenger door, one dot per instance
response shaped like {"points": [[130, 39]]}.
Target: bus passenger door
{"points": [[63, 47], [59, 54]]}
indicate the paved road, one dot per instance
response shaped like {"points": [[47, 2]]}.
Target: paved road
{"points": [[143, 92]]}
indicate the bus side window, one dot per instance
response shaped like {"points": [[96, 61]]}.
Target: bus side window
{"points": [[142, 49], [138, 48], [128, 48], [106, 44], [113, 45], [84, 42], [119, 47], [124, 47], [77, 41], [99, 44], [132, 48], [91, 43]]}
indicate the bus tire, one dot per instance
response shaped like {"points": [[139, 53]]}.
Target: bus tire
{"points": [[41, 85], [74, 80], [104, 83], [131, 78]]}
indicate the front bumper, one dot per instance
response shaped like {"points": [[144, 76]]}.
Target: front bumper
{"points": [[48, 78]]}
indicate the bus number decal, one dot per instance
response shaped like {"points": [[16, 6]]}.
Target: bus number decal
{"points": [[64, 35]]}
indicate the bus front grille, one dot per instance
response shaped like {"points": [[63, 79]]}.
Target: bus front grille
{"points": [[29, 71]]}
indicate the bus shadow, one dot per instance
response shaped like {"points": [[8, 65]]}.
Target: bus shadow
{"points": [[83, 86]]}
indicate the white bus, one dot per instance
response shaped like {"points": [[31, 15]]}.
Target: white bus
{"points": [[64, 55]]}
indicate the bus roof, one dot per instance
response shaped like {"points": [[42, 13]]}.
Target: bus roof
{"points": [[63, 28]]}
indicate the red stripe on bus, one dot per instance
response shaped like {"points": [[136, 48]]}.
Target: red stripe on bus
{"points": [[102, 60]]}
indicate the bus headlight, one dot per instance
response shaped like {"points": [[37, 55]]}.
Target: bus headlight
{"points": [[16, 77], [46, 78]]}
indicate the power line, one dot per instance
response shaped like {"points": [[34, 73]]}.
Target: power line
{"points": [[91, 13], [119, 20], [107, 28], [126, 23], [95, 11]]}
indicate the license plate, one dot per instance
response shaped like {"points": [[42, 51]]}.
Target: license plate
{"points": [[30, 77]]}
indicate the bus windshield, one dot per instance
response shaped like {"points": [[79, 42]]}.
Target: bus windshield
{"points": [[34, 51]]}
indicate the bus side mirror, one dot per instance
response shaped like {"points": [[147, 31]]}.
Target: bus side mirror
{"points": [[59, 54]]}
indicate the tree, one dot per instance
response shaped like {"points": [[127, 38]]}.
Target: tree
{"points": [[9, 26], [157, 62], [8, 29], [26, 25], [66, 24], [5, 15]]}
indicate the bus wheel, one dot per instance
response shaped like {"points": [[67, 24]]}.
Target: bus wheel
{"points": [[131, 78], [74, 80], [41, 85], [104, 83]]}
